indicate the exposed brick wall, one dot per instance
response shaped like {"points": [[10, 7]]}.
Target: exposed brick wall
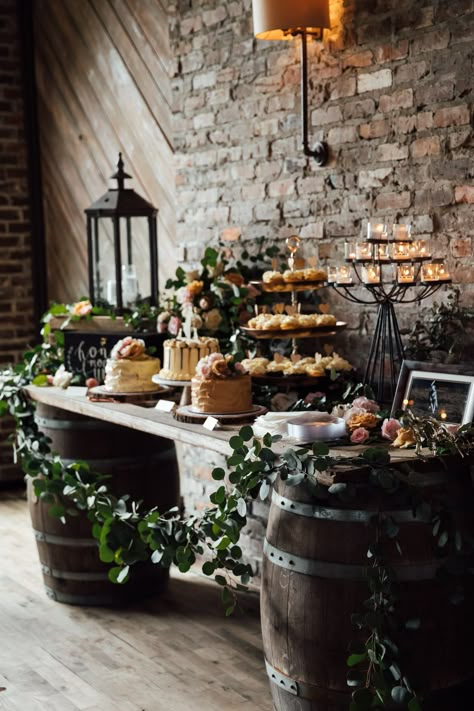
{"points": [[391, 92], [16, 298]]}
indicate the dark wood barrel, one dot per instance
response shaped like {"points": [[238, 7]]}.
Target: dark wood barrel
{"points": [[141, 465], [314, 578]]}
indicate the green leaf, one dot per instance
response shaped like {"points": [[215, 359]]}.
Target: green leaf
{"points": [[57, 511], [220, 580], [443, 539], [246, 433], [355, 678], [355, 659], [40, 380], [414, 705], [236, 442], [106, 554], [208, 568], [400, 695], [376, 456], [218, 474], [118, 574], [363, 698], [337, 488], [241, 507], [320, 449]]}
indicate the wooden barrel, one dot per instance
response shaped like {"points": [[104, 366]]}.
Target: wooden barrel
{"points": [[141, 465], [314, 578]]}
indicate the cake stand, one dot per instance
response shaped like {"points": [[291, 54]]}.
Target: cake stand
{"points": [[186, 413], [145, 399], [185, 384]]}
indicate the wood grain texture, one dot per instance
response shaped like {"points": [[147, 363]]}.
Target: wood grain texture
{"points": [[306, 618], [103, 87], [176, 652]]}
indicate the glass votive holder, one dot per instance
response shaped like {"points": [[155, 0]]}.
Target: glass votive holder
{"points": [[350, 251], [377, 230], [401, 233], [400, 250], [382, 252], [332, 274], [364, 250], [419, 249], [371, 274], [443, 272], [429, 272], [344, 275], [405, 273]]}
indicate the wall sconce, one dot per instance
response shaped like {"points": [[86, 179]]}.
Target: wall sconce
{"points": [[285, 20]]}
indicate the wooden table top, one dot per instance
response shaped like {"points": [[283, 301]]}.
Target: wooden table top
{"points": [[163, 424]]}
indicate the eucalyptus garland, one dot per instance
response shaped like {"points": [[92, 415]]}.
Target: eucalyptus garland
{"points": [[126, 534]]}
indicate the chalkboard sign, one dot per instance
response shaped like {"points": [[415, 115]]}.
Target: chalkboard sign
{"points": [[85, 354]]}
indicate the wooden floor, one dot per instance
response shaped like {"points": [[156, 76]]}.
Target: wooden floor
{"points": [[176, 653]]}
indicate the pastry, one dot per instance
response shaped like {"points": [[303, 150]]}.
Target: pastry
{"points": [[295, 275]]}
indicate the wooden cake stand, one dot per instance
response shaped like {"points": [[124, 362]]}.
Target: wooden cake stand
{"points": [[186, 413], [147, 399]]}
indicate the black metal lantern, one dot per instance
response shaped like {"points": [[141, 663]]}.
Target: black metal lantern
{"points": [[118, 263]]}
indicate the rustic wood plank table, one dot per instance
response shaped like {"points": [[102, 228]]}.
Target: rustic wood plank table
{"points": [[163, 424]]}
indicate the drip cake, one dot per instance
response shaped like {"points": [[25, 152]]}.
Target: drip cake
{"points": [[220, 386], [181, 356], [129, 369]]}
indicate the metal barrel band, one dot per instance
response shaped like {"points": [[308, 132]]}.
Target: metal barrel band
{"points": [[298, 508], [53, 424], [343, 571], [301, 689], [72, 599], [70, 575], [64, 541]]}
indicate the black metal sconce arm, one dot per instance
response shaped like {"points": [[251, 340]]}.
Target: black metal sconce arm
{"points": [[320, 150]]}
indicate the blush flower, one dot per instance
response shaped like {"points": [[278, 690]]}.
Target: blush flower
{"points": [[365, 404], [81, 308], [62, 378], [390, 428], [405, 438], [130, 348], [365, 420], [359, 436], [174, 325]]}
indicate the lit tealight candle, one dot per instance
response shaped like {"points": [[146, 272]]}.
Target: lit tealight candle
{"points": [[332, 274], [402, 233], [371, 274], [350, 251], [363, 250], [376, 231], [400, 250], [405, 274], [344, 275], [443, 272], [382, 252], [429, 272]]}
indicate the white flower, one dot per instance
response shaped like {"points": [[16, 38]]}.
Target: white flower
{"points": [[62, 378]]}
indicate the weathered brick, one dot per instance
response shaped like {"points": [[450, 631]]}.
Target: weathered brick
{"points": [[391, 151], [344, 86], [393, 201], [464, 193], [360, 59], [425, 147], [281, 187], [402, 99], [328, 114], [391, 53], [461, 247], [430, 41], [375, 129], [374, 178], [374, 80], [342, 134], [452, 116], [404, 124]]}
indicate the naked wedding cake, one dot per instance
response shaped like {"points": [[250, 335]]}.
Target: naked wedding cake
{"points": [[220, 386], [181, 356], [129, 369]]}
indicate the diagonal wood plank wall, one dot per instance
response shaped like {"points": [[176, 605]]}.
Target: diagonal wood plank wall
{"points": [[103, 87]]}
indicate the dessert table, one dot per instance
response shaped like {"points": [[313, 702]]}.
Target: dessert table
{"points": [[163, 424]]}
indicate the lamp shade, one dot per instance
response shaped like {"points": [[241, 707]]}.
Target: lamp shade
{"points": [[275, 19]]}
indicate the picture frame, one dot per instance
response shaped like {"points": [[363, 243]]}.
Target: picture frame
{"points": [[445, 392]]}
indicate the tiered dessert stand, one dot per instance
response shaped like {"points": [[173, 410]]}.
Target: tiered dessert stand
{"points": [[394, 269], [293, 287]]}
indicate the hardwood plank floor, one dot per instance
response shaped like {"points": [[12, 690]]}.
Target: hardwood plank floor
{"points": [[174, 653]]}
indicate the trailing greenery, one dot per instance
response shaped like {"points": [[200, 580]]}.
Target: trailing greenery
{"points": [[128, 534]]}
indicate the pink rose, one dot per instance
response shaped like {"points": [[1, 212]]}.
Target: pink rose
{"points": [[351, 412], [215, 356], [390, 428], [81, 308], [359, 435], [312, 396], [452, 429], [365, 404], [203, 369], [174, 324], [239, 368]]}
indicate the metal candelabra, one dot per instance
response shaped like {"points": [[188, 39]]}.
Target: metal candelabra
{"points": [[393, 271]]}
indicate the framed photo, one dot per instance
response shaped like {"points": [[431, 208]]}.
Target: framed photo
{"points": [[445, 392]]}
